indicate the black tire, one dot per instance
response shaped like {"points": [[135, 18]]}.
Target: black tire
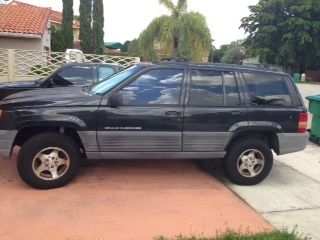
{"points": [[54, 143], [247, 146]]}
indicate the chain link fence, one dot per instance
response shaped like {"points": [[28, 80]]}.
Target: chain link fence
{"points": [[18, 64]]}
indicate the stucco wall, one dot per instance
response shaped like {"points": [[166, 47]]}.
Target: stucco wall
{"points": [[21, 43]]}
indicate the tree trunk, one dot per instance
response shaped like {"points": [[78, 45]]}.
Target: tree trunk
{"points": [[175, 47]]}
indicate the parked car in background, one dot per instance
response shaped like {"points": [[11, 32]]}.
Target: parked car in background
{"points": [[71, 74], [74, 55], [155, 111]]}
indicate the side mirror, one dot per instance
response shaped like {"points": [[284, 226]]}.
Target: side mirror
{"points": [[115, 100]]}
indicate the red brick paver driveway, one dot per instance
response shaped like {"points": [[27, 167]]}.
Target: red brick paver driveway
{"points": [[131, 199]]}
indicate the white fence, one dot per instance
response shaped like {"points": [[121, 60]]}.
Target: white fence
{"points": [[17, 64]]}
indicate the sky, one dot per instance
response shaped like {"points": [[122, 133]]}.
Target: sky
{"points": [[126, 19]]}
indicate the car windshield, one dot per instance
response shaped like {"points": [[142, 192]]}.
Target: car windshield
{"points": [[112, 81]]}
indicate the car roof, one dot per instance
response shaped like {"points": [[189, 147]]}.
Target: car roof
{"points": [[222, 66], [91, 64]]}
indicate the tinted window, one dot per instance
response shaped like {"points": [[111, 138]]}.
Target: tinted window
{"points": [[159, 86], [77, 75], [206, 88], [105, 72], [231, 89], [267, 89]]}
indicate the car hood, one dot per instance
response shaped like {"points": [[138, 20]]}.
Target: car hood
{"points": [[61, 96], [19, 84]]}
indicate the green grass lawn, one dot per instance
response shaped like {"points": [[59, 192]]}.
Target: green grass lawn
{"points": [[231, 235]]}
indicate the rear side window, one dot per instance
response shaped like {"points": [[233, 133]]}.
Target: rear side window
{"points": [[267, 89], [213, 88]]}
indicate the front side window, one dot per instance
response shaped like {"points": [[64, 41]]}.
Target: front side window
{"points": [[158, 86], [267, 89], [77, 75]]}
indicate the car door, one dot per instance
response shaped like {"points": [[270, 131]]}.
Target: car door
{"points": [[150, 119], [213, 106]]}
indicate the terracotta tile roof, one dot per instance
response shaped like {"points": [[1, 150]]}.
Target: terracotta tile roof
{"points": [[23, 18], [57, 18]]}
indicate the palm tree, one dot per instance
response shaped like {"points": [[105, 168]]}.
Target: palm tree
{"points": [[184, 34]]}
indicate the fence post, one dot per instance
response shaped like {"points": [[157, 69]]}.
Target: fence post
{"points": [[11, 64]]}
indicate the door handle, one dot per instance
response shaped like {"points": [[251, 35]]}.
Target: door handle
{"points": [[173, 113], [235, 113]]}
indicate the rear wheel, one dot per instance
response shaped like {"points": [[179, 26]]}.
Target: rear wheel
{"points": [[248, 161], [48, 160]]}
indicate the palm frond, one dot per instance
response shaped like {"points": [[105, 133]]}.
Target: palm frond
{"points": [[182, 6], [168, 4]]}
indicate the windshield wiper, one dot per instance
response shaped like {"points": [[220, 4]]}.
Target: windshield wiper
{"points": [[265, 101]]}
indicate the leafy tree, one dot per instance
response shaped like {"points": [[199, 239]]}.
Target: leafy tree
{"points": [[97, 27], [67, 22], [233, 53], [126, 45], [57, 40], [85, 36], [184, 34], [285, 32], [134, 48]]}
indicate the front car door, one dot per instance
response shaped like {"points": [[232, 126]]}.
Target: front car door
{"points": [[213, 107], [150, 119]]}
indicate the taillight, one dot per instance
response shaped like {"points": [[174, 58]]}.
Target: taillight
{"points": [[303, 122]]}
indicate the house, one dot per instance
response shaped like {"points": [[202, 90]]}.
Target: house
{"points": [[56, 22], [24, 26]]}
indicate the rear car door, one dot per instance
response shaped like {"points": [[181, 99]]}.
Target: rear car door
{"points": [[150, 119], [213, 107]]}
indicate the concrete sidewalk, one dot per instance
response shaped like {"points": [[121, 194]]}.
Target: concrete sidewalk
{"points": [[290, 196]]}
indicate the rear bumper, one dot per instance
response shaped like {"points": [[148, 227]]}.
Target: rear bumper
{"points": [[292, 142], [6, 141]]}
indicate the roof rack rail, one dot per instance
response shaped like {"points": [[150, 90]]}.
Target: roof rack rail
{"points": [[174, 60]]}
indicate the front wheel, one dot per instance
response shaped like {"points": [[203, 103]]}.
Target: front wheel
{"points": [[248, 161], [48, 160]]}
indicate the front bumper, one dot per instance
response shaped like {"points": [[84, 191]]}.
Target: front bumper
{"points": [[292, 142], [6, 141]]}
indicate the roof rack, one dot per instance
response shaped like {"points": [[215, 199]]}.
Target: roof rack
{"points": [[174, 60]]}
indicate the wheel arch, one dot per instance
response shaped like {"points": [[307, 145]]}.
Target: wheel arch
{"points": [[27, 132], [268, 136]]}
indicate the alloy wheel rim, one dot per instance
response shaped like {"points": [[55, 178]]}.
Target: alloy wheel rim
{"points": [[51, 163], [251, 163]]}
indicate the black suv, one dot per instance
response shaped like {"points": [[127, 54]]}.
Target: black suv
{"points": [[71, 74], [154, 111]]}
